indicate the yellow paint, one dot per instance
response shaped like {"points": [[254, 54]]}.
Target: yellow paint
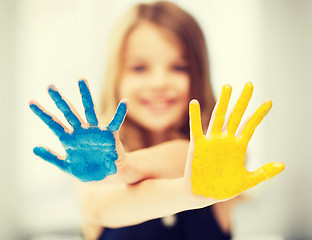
{"points": [[218, 169]]}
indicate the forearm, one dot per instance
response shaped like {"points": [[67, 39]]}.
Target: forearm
{"points": [[124, 205], [166, 160]]}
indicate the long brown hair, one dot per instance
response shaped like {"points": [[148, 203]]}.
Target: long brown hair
{"points": [[171, 17]]}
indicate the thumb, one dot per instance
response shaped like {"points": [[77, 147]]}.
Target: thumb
{"points": [[266, 172], [196, 131], [119, 116], [52, 158]]}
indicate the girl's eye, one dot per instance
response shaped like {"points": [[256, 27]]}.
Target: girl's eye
{"points": [[139, 68], [180, 68]]}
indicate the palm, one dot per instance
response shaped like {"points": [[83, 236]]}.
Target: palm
{"points": [[90, 151], [218, 169]]}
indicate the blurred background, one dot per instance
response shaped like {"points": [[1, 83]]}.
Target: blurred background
{"points": [[45, 41]]}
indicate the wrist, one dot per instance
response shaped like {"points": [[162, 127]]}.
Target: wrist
{"points": [[122, 163], [122, 170], [187, 196], [128, 170]]}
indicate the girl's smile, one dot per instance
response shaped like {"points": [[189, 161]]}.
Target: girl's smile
{"points": [[159, 105]]}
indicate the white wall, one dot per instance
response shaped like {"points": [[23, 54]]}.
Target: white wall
{"points": [[8, 114], [59, 41], [284, 206]]}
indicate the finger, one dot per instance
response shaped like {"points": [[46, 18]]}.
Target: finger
{"points": [[218, 122], [88, 103], [266, 172], [195, 120], [53, 123], [255, 120], [119, 116], [51, 157], [240, 108], [64, 107]]}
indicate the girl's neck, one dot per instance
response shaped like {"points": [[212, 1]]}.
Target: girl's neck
{"points": [[156, 138], [134, 137]]}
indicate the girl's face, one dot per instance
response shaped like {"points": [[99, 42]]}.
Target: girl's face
{"points": [[155, 78]]}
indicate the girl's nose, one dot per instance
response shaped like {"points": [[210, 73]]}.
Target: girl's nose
{"points": [[158, 79]]}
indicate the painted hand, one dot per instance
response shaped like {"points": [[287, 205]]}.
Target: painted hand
{"points": [[90, 150], [218, 169]]}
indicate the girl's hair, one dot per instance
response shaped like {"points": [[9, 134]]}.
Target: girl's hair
{"points": [[171, 17]]}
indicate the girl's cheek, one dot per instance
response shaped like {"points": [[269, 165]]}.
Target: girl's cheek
{"points": [[128, 88], [183, 85], [123, 89]]}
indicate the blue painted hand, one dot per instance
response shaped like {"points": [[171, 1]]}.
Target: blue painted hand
{"points": [[90, 150]]}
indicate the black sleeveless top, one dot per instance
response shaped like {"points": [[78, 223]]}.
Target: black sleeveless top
{"points": [[196, 224]]}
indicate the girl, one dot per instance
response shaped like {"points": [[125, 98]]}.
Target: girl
{"points": [[158, 61]]}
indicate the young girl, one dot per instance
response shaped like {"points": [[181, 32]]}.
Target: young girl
{"points": [[158, 62]]}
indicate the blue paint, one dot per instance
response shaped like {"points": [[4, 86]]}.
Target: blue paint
{"points": [[90, 152], [57, 128], [63, 106], [52, 158], [118, 118], [88, 103]]}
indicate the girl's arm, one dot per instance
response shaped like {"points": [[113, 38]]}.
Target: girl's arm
{"points": [[166, 160], [124, 205]]}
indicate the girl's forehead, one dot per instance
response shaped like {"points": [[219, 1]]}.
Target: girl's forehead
{"points": [[150, 39]]}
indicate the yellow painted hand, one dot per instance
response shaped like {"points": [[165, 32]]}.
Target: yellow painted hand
{"points": [[218, 169]]}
